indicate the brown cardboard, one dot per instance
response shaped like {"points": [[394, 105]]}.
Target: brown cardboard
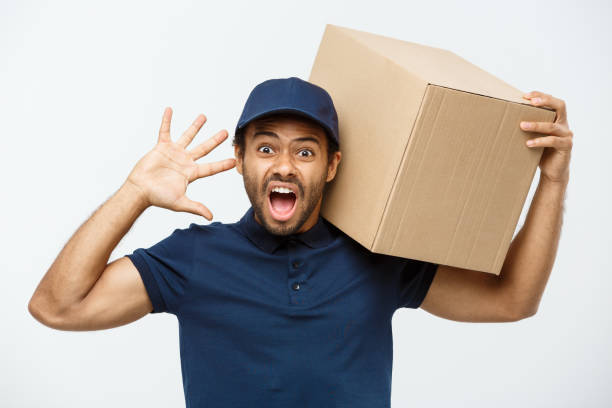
{"points": [[434, 165]]}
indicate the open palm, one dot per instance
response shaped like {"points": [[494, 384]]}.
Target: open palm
{"points": [[163, 174]]}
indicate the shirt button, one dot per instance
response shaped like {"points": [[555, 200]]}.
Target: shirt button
{"points": [[296, 286], [295, 264]]}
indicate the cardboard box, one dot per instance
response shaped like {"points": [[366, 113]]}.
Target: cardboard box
{"points": [[434, 165]]}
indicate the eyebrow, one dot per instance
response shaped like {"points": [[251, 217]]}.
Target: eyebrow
{"points": [[298, 139]]}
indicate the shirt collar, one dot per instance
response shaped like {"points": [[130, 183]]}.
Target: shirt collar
{"points": [[319, 235]]}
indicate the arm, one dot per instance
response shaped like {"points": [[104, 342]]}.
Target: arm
{"points": [[83, 259], [80, 291], [472, 296]]}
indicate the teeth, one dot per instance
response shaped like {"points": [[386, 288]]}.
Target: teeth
{"points": [[282, 190]]}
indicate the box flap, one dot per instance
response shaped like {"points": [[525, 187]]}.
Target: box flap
{"points": [[437, 66]]}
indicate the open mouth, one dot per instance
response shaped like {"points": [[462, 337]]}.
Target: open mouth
{"points": [[282, 203]]}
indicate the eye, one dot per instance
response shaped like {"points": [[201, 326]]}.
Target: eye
{"points": [[308, 151], [264, 147]]}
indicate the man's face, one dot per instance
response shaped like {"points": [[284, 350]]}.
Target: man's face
{"points": [[291, 153]]}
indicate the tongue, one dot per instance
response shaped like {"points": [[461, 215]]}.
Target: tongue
{"points": [[281, 202]]}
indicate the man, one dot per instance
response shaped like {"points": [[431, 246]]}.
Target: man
{"points": [[281, 308]]}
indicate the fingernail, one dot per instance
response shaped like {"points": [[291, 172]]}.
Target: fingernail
{"points": [[526, 125], [536, 100], [530, 143]]}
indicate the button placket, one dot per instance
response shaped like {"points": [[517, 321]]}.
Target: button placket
{"points": [[295, 277]]}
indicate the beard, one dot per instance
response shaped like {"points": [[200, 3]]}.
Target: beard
{"points": [[306, 202]]}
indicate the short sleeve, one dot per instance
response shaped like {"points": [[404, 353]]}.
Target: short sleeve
{"points": [[165, 268], [414, 281]]}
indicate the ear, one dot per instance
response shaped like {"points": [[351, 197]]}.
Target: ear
{"points": [[238, 159], [333, 166]]}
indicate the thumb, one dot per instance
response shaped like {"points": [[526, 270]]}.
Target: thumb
{"points": [[194, 207]]}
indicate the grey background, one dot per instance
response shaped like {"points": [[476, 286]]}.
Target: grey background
{"points": [[82, 90]]}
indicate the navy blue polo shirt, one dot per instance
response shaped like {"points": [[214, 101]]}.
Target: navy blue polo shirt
{"points": [[278, 321]]}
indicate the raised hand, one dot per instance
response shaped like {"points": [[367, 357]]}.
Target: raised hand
{"points": [[163, 174]]}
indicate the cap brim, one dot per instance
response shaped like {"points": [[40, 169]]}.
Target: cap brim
{"points": [[299, 112]]}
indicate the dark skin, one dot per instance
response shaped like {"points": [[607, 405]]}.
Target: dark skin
{"points": [[274, 153]]}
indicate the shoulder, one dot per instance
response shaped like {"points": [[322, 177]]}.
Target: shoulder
{"points": [[214, 232], [345, 246], [212, 229]]}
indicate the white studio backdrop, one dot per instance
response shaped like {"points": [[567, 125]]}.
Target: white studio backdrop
{"points": [[82, 89]]}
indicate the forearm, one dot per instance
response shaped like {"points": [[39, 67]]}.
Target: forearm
{"points": [[532, 253], [85, 256]]}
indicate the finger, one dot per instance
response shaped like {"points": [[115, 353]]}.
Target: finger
{"points": [[194, 207], [208, 169], [164, 130], [191, 131], [549, 128], [205, 147], [538, 98], [559, 143]]}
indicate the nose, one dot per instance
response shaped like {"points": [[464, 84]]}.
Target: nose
{"points": [[284, 165]]}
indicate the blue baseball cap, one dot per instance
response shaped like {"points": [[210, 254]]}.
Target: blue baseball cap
{"points": [[292, 95]]}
